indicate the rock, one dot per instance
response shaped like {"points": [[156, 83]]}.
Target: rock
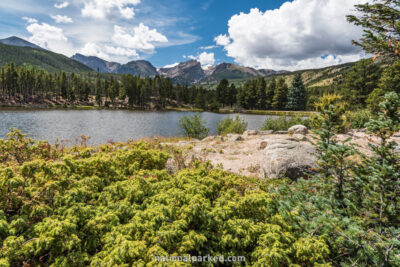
{"points": [[262, 145], [298, 129], [172, 166], [268, 132], [281, 132], [234, 137], [286, 158], [299, 137], [250, 132], [208, 139]]}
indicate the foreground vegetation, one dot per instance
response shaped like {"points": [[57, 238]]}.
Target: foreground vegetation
{"points": [[117, 205]]}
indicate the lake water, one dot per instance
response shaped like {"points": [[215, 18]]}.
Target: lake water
{"points": [[105, 125]]}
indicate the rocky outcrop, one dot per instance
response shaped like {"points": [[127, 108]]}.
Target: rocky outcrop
{"points": [[288, 158], [298, 129], [186, 72]]}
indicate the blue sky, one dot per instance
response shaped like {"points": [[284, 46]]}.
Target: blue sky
{"points": [[272, 34]]}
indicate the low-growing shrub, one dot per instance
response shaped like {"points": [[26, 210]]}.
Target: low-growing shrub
{"points": [[283, 123], [229, 125], [193, 126], [357, 119], [116, 205]]}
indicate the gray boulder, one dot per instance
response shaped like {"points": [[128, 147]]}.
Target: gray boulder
{"points": [[234, 137], [288, 158], [267, 132], [250, 132], [298, 129]]}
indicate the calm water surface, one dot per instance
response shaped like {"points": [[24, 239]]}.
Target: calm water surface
{"points": [[105, 125]]}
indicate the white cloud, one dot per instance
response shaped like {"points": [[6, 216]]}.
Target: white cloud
{"points": [[49, 37], [141, 38], [61, 19], [61, 5], [207, 47], [92, 49], [300, 34], [30, 20], [171, 65], [222, 39], [107, 52], [205, 59], [102, 9]]}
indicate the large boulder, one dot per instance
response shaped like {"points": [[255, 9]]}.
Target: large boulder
{"points": [[288, 158], [298, 129]]}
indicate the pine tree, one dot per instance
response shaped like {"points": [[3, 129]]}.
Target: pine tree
{"points": [[98, 90], [64, 85], [221, 91], [390, 80], [260, 93], [297, 95], [269, 94], [359, 82], [381, 24], [280, 95]]}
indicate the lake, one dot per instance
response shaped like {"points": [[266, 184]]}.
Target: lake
{"points": [[105, 125]]}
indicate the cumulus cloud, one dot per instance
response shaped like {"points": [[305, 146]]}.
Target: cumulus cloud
{"points": [[30, 20], [61, 19], [142, 38], [222, 39], [101, 9], [108, 52], [49, 37], [61, 5], [205, 59], [300, 34]]}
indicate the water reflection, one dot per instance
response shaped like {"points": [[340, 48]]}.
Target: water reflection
{"points": [[104, 125]]}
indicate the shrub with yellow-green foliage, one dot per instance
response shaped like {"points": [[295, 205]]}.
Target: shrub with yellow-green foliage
{"points": [[116, 205]]}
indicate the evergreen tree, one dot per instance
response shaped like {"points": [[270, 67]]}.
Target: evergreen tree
{"points": [[359, 82], [297, 95], [381, 23], [270, 91], [390, 80], [261, 93], [232, 92], [280, 95], [98, 90], [222, 89], [64, 85]]}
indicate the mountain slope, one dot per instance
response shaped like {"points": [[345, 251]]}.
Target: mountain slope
{"points": [[16, 41], [39, 58], [186, 72], [138, 67], [96, 63], [319, 77]]}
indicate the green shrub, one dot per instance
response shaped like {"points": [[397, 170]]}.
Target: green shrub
{"points": [[357, 119], [193, 126], [230, 125], [116, 205], [283, 123]]}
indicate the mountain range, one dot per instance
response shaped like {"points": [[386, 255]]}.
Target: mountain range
{"points": [[186, 72], [22, 52]]}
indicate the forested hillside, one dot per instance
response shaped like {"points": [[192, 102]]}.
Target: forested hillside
{"points": [[39, 58]]}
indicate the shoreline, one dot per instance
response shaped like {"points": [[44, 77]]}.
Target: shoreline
{"points": [[221, 111]]}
